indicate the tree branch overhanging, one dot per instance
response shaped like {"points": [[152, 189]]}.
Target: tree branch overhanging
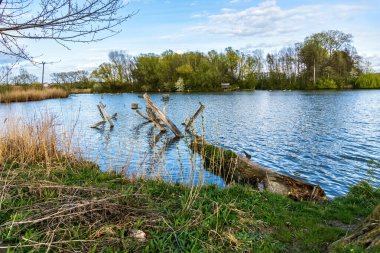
{"points": [[59, 20]]}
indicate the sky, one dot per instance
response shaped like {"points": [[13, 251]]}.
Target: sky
{"points": [[195, 25]]}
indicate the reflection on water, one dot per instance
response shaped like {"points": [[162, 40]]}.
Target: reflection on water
{"points": [[325, 138]]}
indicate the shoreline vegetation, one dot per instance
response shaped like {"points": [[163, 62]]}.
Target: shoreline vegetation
{"points": [[325, 60], [52, 199], [27, 94]]}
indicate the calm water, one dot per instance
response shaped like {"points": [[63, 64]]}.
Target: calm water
{"points": [[326, 138]]}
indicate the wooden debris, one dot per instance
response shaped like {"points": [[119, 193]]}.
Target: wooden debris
{"points": [[103, 107], [135, 106], [101, 113], [165, 97], [154, 119], [156, 139], [143, 115], [236, 168], [185, 120], [166, 103], [105, 117], [100, 123], [191, 121], [162, 116]]}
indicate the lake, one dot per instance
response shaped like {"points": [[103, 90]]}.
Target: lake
{"points": [[322, 137]]}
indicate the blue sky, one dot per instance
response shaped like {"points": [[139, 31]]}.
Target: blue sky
{"points": [[204, 25]]}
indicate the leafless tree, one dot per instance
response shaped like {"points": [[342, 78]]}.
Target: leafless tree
{"points": [[62, 21]]}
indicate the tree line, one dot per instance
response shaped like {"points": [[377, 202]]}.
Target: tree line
{"points": [[325, 60]]}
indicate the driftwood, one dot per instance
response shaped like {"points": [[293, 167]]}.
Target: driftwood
{"points": [[185, 120], [366, 234], [143, 115], [191, 121], [103, 107], [156, 139], [135, 106], [101, 113], [100, 123], [154, 119], [236, 168], [162, 116], [166, 103], [105, 117], [165, 97]]}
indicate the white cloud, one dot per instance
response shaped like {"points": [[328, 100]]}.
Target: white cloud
{"points": [[269, 19], [374, 59], [201, 14], [227, 10]]}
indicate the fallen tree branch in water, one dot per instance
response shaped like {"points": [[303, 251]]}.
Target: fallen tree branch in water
{"points": [[154, 119], [162, 116], [185, 120], [236, 168], [100, 123], [191, 121], [106, 114], [143, 115], [105, 117]]}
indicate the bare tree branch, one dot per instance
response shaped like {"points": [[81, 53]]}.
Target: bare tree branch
{"points": [[62, 21]]}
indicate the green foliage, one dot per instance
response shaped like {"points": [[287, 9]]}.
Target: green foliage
{"points": [[326, 84], [180, 85], [368, 81], [97, 87], [193, 71]]}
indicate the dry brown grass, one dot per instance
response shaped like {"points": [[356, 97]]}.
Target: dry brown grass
{"points": [[20, 95], [34, 143], [80, 91]]}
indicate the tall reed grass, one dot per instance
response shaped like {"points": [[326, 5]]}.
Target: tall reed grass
{"points": [[35, 142], [21, 95]]}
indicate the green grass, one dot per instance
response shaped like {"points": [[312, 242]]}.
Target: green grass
{"points": [[176, 218]]}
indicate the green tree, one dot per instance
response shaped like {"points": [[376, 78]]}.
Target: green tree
{"points": [[146, 71]]}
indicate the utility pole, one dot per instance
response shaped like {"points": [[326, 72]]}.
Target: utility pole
{"points": [[43, 72], [314, 73], [8, 70]]}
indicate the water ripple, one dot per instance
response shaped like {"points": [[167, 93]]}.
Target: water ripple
{"points": [[326, 138]]}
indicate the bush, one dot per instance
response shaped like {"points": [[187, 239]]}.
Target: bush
{"points": [[326, 84], [368, 81]]}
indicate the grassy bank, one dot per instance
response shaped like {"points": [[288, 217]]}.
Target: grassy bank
{"points": [[52, 200], [31, 94]]}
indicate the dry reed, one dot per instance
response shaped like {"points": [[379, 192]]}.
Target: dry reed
{"points": [[33, 143], [19, 95]]}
